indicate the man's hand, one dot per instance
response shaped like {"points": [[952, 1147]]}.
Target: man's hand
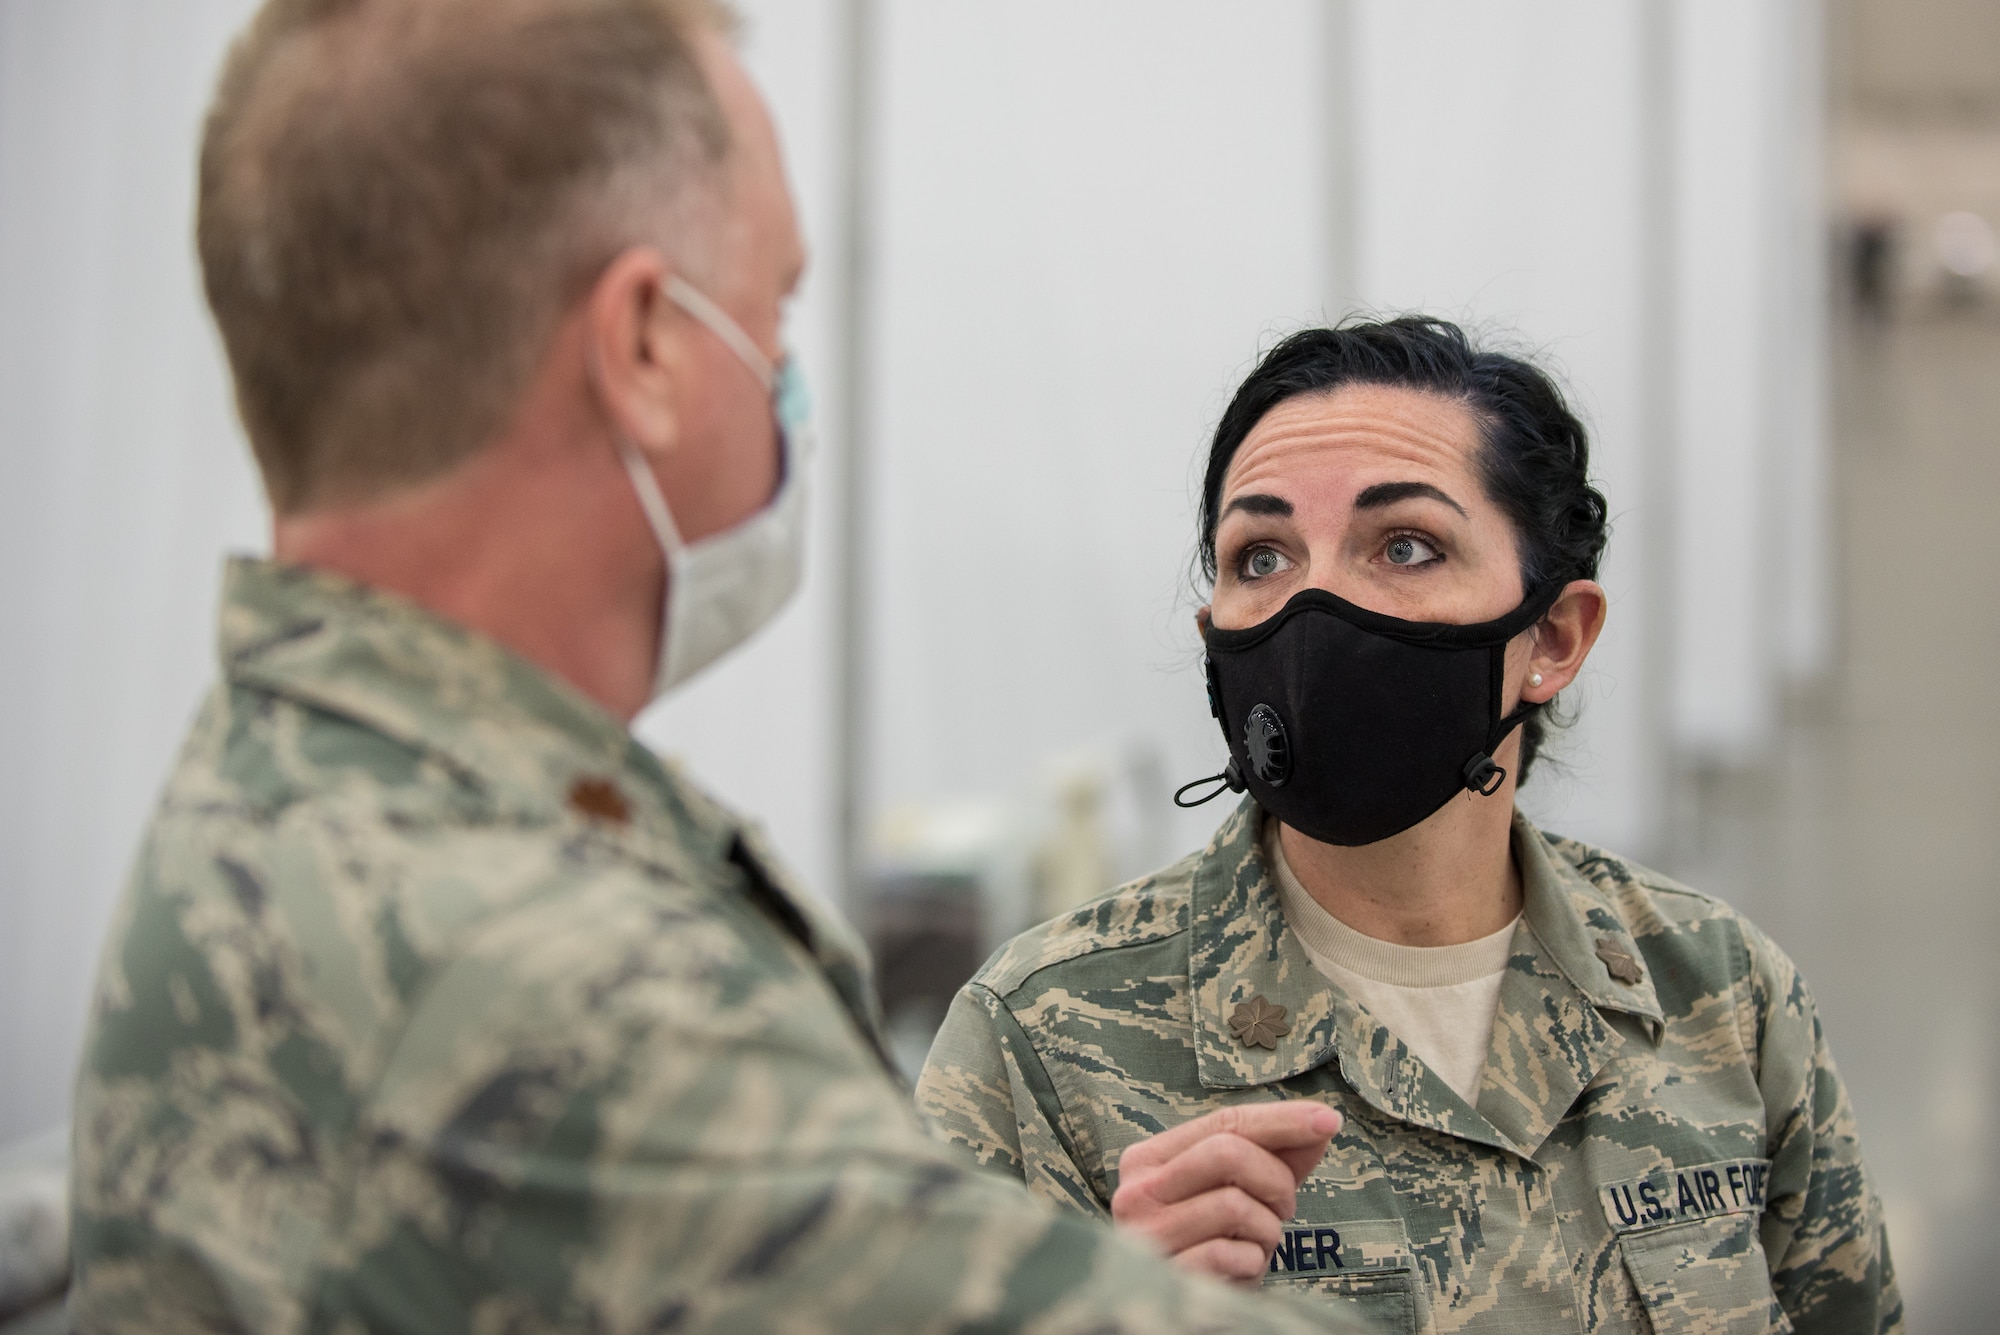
{"points": [[1216, 1192]]}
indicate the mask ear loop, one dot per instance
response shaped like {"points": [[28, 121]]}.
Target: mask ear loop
{"points": [[1481, 775], [651, 500], [1231, 778], [723, 325], [1229, 781]]}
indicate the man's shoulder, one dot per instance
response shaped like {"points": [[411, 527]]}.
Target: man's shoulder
{"points": [[457, 1003], [276, 805], [312, 881], [1091, 939], [324, 919]]}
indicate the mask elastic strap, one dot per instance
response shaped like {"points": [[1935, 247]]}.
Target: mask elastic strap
{"points": [[651, 500], [1481, 775], [723, 325], [1231, 778], [781, 380], [1229, 781]]}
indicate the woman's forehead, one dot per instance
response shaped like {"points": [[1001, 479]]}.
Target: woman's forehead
{"points": [[1357, 434]]}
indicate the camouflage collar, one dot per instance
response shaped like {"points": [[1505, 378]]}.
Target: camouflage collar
{"points": [[1549, 1039], [523, 743], [1578, 928]]}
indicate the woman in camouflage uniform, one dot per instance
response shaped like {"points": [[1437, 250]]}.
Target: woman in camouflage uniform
{"points": [[1577, 1095]]}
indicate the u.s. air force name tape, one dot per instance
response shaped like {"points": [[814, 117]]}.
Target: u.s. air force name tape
{"points": [[1672, 1195]]}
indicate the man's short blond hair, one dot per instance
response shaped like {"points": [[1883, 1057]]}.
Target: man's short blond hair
{"points": [[399, 198]]}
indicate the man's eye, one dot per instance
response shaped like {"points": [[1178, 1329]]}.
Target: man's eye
{"points": [[1408, 551], [1262, 561]]}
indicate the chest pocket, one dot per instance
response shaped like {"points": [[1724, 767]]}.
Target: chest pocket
{"points": [[1364, 1265], [1690, 1246]]}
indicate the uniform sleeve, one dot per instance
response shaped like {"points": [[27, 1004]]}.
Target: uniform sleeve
{"points": [[614, 1117], [984, 1088], [1823, 1232], [967, 1087]]}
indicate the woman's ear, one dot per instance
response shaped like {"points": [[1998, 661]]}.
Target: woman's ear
{"points": [[1202, 616], [1562, 639]]}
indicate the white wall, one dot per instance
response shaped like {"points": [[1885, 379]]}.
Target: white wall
{"points": [[1094, 218], [121, 483], [1751, 458]]}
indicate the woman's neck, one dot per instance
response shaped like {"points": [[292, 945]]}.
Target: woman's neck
{"points": [[1445, 881]]}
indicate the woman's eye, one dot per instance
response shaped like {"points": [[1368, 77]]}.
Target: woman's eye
{"points": [[1262, 561], [1404, 550]]}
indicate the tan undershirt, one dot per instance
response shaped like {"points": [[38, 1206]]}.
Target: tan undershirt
{"points": [[1439, 1000]]}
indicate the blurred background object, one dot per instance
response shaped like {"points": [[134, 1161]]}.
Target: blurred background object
{"points": [[35, 1222], [1756, 236], [939, 881], [34, 1226], [1915, 151], [947, 882]]}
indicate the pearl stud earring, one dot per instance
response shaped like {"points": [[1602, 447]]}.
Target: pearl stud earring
{"points": [[1534, 679]]}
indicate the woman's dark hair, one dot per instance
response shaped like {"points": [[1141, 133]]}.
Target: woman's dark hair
{"points": [[1535, 457]]}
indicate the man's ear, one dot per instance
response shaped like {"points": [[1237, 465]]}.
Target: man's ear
{"points": [[636, 352], [1563, 638]]}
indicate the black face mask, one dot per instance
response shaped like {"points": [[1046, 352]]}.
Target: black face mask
{"points": [[1351, 726]]}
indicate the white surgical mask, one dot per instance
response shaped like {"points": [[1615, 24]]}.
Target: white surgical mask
{"points": [[721, 590]]}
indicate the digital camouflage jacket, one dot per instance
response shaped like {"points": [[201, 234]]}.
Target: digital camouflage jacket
{"points": [[1661, 1141], [438, 1004]]}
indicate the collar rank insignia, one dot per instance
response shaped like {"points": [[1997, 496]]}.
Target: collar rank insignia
{"points": [[1616, 962], [1256, 1023], [600, 800]]}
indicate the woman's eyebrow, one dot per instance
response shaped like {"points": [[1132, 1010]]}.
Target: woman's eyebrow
{"points": [[1388, 493], [1259, 503]]}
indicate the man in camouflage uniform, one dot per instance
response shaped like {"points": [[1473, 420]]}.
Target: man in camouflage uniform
{"points": [[437, 1003], [1660, 1140]]}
